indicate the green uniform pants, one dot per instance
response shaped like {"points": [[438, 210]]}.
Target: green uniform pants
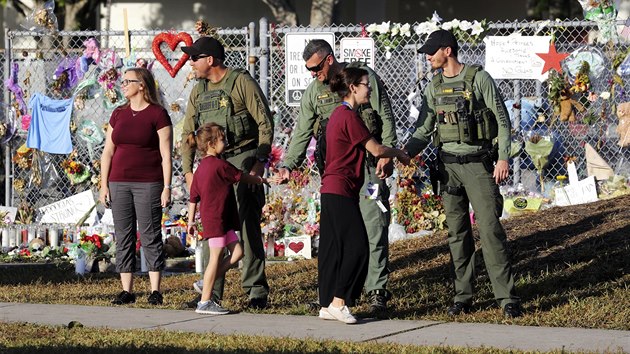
{"points": [[376, 224], [250, 204], [471, 182]]}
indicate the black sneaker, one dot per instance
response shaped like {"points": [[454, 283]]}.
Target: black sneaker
{"points": [[156, 298], [512, 310], [258, 303], [458, 308], [193, 303], [378, 300], [124, 297]]}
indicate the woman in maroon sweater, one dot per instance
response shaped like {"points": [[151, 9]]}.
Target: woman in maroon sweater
{"points": [[343, 244], [136, 179]]}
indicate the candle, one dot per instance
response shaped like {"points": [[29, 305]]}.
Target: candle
{"points": [[199, 257], [53, 234], [5, 237], [32, 231], [12, 237]]}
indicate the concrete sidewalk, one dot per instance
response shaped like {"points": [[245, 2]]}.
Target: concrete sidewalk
{"points": [[404, 332]]}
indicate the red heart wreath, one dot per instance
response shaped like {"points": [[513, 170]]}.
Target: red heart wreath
{"points": [[172, 40]]}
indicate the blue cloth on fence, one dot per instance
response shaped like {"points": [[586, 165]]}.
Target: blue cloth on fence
{"points": [[50, 124]]}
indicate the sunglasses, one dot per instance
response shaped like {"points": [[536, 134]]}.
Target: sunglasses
{"points": [[197, 57], [126, 82], [318, 67]]}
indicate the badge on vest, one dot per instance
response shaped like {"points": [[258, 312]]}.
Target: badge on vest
{"points": [[223, 102]]}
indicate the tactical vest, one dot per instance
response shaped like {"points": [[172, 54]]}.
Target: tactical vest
{"points": [[461, 117], [215, 106]]}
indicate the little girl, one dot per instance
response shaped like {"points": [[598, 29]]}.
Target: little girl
{"points": [[212, 186]]}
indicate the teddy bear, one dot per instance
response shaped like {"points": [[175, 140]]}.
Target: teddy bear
{"points": [[623, 113]]}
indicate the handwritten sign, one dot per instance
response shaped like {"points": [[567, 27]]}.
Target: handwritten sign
{"points": [[297, 76], [581, 192], [357, 49], [299, 246], [69, 210], [514, 57]]}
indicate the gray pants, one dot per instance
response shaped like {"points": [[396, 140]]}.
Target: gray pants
{"points": [[136, 206]]}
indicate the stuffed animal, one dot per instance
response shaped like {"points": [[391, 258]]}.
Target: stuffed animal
{"points": [[623, 128], [173, 246]]}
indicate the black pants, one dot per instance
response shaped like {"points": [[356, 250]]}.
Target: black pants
{"points": [[343, 250]]}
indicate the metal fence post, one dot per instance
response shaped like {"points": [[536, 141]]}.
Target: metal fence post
{"points": [[251, 56], [517, 127], [264, 56], [7, 149]]}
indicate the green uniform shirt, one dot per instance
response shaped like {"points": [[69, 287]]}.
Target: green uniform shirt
{"points": [[246, 96], [484, 89], [379, 100]]}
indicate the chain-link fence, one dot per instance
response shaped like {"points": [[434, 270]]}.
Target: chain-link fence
{"points": [[404, 70], [39, 178]]}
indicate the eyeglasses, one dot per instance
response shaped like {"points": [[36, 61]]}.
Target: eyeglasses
{"points": [[318, 67], [197, 57], [366, 84], [126, 82]]}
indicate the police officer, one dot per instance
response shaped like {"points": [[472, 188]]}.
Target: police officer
{"points": [[231, 98], [462, 110], [316, 106]]}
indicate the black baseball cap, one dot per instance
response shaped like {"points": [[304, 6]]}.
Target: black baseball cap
{"points": [[206, 46], [439, 39]]}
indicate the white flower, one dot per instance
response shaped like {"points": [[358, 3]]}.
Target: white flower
{"points": [[371, 29], [455, 23], [465, 25], [605, 95], [383, 28], [447, 25], [395, 29], [426, 27], [388, 54], [436, 18], [405, 30], [477, 28]]}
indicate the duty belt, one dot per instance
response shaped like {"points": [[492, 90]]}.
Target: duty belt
{"points": [[463, 159], [247, 147]]}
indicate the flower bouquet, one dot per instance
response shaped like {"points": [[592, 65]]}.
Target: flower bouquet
{"points": [[464, 31], [76, 171]]}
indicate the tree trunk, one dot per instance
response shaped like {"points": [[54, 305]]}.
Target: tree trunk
{"points": [[322, 12], [70, 19], [283, 12]]}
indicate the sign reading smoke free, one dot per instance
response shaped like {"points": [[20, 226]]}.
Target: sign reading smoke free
{"points": [[297, 77], [357, 49], [514, 57]]}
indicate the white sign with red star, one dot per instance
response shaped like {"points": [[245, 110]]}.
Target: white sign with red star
{"points": [[515, 57]]}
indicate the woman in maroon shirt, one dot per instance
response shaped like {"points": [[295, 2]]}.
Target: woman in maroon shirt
{"points": [[343, 244], [136, 179]]}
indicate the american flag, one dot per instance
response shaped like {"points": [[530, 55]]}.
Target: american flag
{"points": [[625, 32]]}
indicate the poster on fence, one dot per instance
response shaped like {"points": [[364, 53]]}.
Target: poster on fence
{"points": [[69, 210], [357, 49], [514, 57], [297, 76]]}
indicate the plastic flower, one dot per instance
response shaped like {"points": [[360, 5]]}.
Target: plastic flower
{"points": [[371, 28], [605, 95], [383, 28], [436, 18], [477, 28], [405, 30]]}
